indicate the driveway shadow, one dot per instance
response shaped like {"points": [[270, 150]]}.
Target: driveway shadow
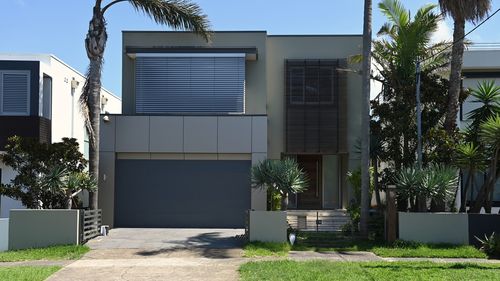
{"points": [[208, 245]]}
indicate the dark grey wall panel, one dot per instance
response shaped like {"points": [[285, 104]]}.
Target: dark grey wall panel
{"points": [[481, 224], [181, 193]]}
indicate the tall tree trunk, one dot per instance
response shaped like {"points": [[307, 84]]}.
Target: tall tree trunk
{"points": [[376, 185], [457, 54], [95, 44], [421, 203], [69, 199], [365, 119], [488, 186], [463, 198], [284, 201]]}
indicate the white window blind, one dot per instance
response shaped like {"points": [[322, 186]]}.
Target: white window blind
{"points": [[14, 92], [190, 84]]}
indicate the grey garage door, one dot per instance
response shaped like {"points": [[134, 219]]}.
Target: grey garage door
{"points": [[181, 193]]}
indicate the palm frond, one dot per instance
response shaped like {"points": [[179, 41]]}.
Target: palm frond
{"points": [[466, 10], [490, 131], [177, 14], [395, 12]]}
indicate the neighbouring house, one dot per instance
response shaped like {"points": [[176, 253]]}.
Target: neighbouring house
{"points": [[39, 99], [196, 116], [481, 63]]}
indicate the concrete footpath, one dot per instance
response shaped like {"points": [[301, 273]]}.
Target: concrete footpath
{"points": [[190, 264], [184, 255]]}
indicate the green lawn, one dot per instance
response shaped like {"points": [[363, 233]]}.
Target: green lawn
{"points": [[261, 249], [69, 252], [402, 249], [326, 270], [27, 273], [399, 249]]}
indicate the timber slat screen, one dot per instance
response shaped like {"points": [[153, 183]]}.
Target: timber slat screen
{"points": [[315, 106], [90, 224]]}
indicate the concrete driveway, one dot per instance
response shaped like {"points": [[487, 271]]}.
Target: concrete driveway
{"points": [[159, 254]]}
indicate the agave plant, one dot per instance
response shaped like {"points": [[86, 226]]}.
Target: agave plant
{"points": [[282, 176], [418, 185], [408, 183], [490, 245], [439, 183]]}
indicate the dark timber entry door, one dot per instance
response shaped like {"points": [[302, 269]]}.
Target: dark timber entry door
{"points": [[311, 198]]}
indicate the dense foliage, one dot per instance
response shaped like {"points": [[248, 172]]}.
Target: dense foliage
{"points": [[48, 175]]}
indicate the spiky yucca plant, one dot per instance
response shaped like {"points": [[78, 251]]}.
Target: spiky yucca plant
{"points": [[283, 176]]}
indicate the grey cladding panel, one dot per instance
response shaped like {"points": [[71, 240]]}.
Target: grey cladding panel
{"points": [[190, 84], [181, 193]]}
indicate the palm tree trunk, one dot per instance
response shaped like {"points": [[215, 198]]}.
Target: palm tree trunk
{"points": [[457, 54], [488, 186], [365, 119], [95, 44], [463, 198]]}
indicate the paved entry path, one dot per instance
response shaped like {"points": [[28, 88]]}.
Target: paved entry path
{"points": [[159, 254]]}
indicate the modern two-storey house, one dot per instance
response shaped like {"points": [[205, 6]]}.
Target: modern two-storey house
{"points": [[196, 117], [39, 99]]}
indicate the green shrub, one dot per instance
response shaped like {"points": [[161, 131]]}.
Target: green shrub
{"points": [[490, 245]]}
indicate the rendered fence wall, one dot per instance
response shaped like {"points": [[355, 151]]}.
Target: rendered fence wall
{"points": [[453, 228], [4, 235], [42, 228], [267, 226], [434, 227]]}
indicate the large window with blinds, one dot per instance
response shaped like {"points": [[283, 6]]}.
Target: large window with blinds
{"points": [[14, 92], [190, 83]]}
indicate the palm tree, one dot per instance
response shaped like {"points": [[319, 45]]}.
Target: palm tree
{"points": [[490, 136], [282, 176], [471, 160], [461, 11], [365, 118], [178, 14]]}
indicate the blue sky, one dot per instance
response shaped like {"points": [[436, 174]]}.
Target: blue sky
{"points": [[59, 26]]}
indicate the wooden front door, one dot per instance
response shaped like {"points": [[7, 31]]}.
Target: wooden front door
{"points": [[311, 198]]}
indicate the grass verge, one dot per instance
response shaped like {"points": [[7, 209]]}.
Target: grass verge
{"points": [[69, 252], [263, 249], [27, 273], [327, 270], [398, 249]]}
